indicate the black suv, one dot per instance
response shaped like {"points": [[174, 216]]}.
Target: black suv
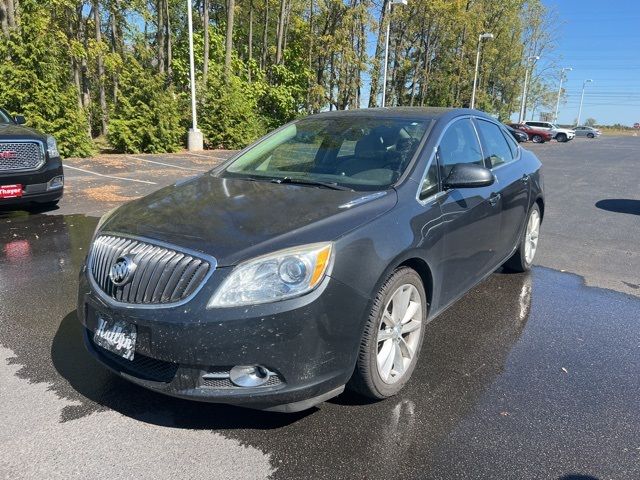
{"points": [[30, 165]]}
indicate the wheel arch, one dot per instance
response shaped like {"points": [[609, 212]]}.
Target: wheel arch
{"points": [[540, 202]]}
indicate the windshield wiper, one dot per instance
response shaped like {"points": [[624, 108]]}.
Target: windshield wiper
{"points": [[315, 183]]}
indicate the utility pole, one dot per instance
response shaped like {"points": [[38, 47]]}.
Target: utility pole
{"points": [[386, 48], [524, 90], [584, 84], [195, 141], [482, 36], [566, 69]]}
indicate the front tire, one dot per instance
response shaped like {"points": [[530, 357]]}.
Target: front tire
{"points": [[562, 137], [522, 259], [392, 337], [590, 135]]}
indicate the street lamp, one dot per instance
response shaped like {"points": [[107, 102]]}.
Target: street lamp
{"points": [[195, 140], [584, 84], [482, 36], [526, 81], [386, 47], [566, 69]]}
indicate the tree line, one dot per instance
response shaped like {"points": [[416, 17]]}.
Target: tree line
{"points": [[115, 73]]}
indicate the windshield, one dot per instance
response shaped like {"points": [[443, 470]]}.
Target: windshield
{"points": [[361, 153], [4, 117]]}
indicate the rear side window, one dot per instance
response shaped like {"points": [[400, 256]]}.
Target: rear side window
{"points": [[496, 148], [459, 144]]}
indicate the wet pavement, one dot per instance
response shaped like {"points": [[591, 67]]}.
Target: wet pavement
{"points": [[528, 376]]}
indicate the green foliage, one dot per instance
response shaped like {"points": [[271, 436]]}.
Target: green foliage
{"points": [[146, 117], [34, 81], [590, 122], [228, 116], [59, 71]]}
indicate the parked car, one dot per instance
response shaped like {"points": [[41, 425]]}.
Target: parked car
{"points": [[519, 135], [536, 135], [588, 132], [560, 134], [311, 261], [30, 165]]}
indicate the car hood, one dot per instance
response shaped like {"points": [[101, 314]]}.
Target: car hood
{"points": [[234, 220], [10, 131]]}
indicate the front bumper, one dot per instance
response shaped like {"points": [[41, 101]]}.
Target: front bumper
{"points": [[35, 184], [310, 343]]}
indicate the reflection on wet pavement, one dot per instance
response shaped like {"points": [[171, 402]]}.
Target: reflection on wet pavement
{"points": [[528, 376]]}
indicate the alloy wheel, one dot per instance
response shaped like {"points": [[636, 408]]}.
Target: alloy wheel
{"points": [[531, 236], [399, 333]]}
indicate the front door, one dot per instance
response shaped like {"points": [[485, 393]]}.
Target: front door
{"points": [[501, 156], [472, 216]]}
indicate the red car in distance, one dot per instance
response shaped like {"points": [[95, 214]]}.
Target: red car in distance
{"points": [[535, 135]]}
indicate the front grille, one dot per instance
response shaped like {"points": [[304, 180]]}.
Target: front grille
{"points": [[145, 368], [20, 156], [162, 275]]}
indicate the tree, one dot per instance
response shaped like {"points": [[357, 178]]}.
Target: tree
{"points": [[590, 122]]}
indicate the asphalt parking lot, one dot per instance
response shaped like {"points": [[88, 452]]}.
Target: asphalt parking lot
{"points": [[528, 376]]}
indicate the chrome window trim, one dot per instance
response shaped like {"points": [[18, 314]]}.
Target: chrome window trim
{"points": [[213, 265], [432, 156], [43, 156]]}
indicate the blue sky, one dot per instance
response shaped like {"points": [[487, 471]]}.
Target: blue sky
{"points": [[600, 40]]}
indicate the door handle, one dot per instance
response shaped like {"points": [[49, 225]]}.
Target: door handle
{"points": [[525, 178], [494, 199]]}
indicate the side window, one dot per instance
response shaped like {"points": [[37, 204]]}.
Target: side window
{"points": [[459, 144], [513, 146], [430, 183], [496, 148]]}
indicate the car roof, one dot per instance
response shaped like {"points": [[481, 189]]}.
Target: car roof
{"points": [[418, 113]]}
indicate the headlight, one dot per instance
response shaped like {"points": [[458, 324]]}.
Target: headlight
{"points": [[52, 147], [276, 276]]}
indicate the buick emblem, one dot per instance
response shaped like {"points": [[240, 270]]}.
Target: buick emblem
{"points": [[122, 270]]}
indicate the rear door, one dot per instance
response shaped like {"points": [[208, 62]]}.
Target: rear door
{"points": [[502, 155], [471, 215]]}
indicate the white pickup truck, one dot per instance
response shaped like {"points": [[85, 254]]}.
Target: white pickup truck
{"points": [[560, 134]]}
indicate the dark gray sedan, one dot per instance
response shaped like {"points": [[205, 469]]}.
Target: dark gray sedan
{"points": [[311, 261]]}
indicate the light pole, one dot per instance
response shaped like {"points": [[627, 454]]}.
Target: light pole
{"points": [[482, 36], [566, 69], [195, 140], [584, 84], [386, 47], [524, 90]]}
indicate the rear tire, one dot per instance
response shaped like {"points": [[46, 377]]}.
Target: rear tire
{"points": [[392, 337], [522, 259], [537, 139]]}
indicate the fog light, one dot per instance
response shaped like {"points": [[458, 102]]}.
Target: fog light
{"points": [[55, 182], [249, 375]]}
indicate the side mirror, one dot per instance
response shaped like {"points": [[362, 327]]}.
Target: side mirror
{"points": [[468, 175], [20, 120]]}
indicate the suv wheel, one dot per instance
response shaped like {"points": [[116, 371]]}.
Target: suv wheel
{"points": [[562, 137], [392, 337]]}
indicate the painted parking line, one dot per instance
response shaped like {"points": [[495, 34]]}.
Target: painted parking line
{"points": [[164, 164], [207, 156], [110, 176]]}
